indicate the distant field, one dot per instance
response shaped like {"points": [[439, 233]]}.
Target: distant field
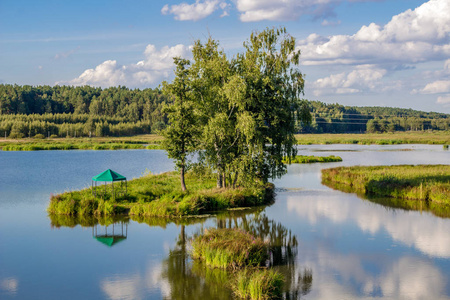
{"points": [[410, 137], [153, 140]]}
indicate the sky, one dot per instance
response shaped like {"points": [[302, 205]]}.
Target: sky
{"points": [[392, 53]]}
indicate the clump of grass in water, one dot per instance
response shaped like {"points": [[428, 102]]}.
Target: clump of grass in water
{"points": [[305, 159], [257, 284], [242, 253], [229, 249]]}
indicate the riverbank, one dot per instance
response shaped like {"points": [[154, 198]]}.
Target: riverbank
{"points": [[160, 196], [395, 138], [429, 183], [147, 141], [153, 141], [308, 159]]}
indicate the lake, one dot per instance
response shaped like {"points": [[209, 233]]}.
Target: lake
{"points": [[328, 244]]}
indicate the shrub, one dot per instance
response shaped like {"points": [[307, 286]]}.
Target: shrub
{"points": [[39, 136]]}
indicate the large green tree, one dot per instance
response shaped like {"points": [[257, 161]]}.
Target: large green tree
{"points": [[181, 133], [246, 107]]}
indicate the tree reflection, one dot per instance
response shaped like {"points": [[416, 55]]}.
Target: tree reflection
{"points": [[192, 280]]}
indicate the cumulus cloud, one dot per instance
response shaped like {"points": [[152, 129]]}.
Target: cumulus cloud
{"points": [[418, 35], [157, 65], [365, 77], [282, 10], [196, 11], [437, 87]]}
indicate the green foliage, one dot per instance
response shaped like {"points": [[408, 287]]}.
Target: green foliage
{"points": [[182, 134], [79, 111], [258, 284], [335, 118], [229, 249], [430, 183], [245, 108], [305, 159]]}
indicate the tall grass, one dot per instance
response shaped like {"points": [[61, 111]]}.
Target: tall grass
{"points": [[305, 159], [258, 284], [229, 249], [409, 137], [159, 195], [421, 182]]}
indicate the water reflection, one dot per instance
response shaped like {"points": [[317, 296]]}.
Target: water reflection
{"points": [[9, 286], [192, 280], [116, 233], [413, 229]]}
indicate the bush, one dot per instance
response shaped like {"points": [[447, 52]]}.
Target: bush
{"points": [[39, 136]]}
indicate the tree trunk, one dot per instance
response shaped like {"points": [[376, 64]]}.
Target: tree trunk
{"points": [[235, 179], [183, 184], [219, 180]]}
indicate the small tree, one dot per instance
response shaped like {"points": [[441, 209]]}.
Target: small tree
{"points": [[181, 133]]}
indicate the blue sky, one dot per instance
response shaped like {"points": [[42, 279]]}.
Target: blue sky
{"points": [[354, 52]]}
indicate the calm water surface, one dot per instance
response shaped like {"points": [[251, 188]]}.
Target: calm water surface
{"points": [[328, 244]]}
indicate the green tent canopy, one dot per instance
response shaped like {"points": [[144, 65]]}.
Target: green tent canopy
{"points": [[109, 175], [110, 240]]}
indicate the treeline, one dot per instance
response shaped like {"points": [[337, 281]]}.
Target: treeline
{"points": [[26, 111], [79, 111], [335, 118]]}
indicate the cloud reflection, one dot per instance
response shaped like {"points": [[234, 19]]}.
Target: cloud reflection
{"points": [[423, 231], [9, 285]]}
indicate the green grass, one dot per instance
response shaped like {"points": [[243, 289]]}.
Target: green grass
{"points": [[229, 249], [305, 159], [161, 196], [410, 137], [148, 141], [429, 183], [241, 253], [258, 284]]}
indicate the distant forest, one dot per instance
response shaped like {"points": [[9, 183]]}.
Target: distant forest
{"points": [[27, 111]]}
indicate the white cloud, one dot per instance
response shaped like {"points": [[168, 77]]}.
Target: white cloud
{"points": [[66, 54], [196, 11], [437, 87], [157, 65], [365, 77], [282, 10], [443, 100], [413, 36]]}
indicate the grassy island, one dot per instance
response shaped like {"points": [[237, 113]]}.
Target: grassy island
{"points": [[238, 251], [160, 195], [307, 159], [430, 183]]}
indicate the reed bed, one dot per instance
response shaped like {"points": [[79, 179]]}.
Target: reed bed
{"points": [[241, 253], [159, 195], [229, 249], [258, 284], [149, 141], [429, 183], [395, 138], [308, 159]]}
